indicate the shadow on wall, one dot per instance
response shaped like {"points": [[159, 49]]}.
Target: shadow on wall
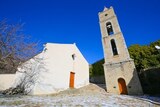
{"points": [[98, 80], [29, 74], [134, 84], [150, 80]]}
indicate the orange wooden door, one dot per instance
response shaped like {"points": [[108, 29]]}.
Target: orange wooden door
{"points": [[122, 86], [71, 84]]}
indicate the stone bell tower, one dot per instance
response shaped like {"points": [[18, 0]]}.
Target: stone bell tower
{"points": [[119, 69]]}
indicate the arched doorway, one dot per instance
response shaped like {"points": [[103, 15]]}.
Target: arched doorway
{"points": [[122, 86]]}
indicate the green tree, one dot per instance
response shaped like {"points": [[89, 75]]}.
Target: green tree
{"points": [[97, 68], [145, 56]]}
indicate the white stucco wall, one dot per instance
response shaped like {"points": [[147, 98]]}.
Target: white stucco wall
{"points": [[81, 69], [54, 69], [6, 81]]}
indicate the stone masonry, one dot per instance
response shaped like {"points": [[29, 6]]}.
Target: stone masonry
{"points": [[120, 72]]}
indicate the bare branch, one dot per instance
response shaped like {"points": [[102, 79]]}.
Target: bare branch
{"points": [[15, 47]]}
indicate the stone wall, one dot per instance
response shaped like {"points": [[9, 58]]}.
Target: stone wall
{"points": [[98, 79], [150, 80], [125, 70]]}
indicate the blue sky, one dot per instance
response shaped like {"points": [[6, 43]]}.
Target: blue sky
{"points": [[76, 21]]}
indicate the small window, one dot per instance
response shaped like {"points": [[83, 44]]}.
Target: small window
{"points": [[114, 47], [73, 56], [109, 28]]}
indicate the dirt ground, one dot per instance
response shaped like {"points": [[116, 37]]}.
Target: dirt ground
{"points": [[88, 96]]}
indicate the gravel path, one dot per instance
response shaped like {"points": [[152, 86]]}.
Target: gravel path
{"points": [[89, 96]]}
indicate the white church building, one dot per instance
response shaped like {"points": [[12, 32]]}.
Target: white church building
{"points": [[58, 67]]}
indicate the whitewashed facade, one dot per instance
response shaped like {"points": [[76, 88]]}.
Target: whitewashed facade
{"points": [[52, 69]]}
